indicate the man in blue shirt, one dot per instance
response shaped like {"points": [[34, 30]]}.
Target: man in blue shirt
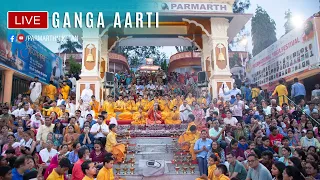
{"points": [[298, 91], [201, 149], [20, 167]]}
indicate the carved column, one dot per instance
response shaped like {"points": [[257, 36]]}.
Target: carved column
{"points": [[91, 59], [220, 59]]}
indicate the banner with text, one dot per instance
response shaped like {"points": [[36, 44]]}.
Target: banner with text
{"points": [[30, 58], [293, 54]]}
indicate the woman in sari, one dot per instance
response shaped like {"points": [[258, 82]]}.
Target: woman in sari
{"points": [[70, 137]]}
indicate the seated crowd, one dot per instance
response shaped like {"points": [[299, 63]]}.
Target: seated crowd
{"points": [[229, 139]]}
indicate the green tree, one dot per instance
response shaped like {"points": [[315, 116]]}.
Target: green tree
{"points": [[69, 46], [239, 6], [234, 60], [263, 31], [164, 65], [289, 24], [75, 67]]}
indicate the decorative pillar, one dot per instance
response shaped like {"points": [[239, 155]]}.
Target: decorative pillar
{"points": [[90, 72], [206, 62], [105, 56], [220, 73], [7, 85]]}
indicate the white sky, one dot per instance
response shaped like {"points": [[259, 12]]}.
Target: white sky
{"points": [[275, 8]]}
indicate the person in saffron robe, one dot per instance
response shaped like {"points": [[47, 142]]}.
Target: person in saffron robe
{"points": [[145, 103], [173, 117], [282, 92], [188, 139], [95, 106], [154, 115], [166, 111], [139, 104], [213, 162], [65, 90], [51, 91], [112, 146], [126, 113], [109, 106], [106, 172], [139, 118], [119, 104], [190, 99]]}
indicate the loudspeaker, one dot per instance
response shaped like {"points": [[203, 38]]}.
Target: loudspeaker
{"points": [[109, 80], [202, 79]]}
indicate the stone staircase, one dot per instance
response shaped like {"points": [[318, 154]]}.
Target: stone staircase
{"points": [[156, 148]]}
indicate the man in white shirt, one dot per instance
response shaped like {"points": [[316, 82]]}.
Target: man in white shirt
{"points": [[46, 154], [315, 94], [74, 82], [36, 120], [185, 110], [237, 108], [211, 108], [79, 118], [100, 130], [151, 86], [36, 89], [233, 91], [25, 110]]}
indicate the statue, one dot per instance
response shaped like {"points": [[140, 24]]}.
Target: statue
{"points": [[86, 94]]}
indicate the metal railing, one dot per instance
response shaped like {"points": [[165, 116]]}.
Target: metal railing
{"points": [[297, 107]]}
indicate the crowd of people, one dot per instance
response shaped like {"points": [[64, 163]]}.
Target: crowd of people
{"points": [[248, 137]]}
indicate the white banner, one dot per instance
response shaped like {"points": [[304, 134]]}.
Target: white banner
{"points": [[293, 54]]}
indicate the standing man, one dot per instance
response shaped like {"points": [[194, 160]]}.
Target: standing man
{"points": [[185, 110], [201, 149], [298, 91], [237, 108], [36, 89], [257, 170], [282, 92], [315, 94]]}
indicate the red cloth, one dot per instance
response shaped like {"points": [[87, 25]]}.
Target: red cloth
{"points": [[53, 164], [77, 173], [275, 140]]}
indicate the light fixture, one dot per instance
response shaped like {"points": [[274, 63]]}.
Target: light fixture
{"points": [[90, 56], [221, 55]]}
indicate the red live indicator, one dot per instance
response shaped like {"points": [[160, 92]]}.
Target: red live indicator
{"points": [[28, 20]]}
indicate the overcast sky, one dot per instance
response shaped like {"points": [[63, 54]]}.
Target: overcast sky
{"points": [[275, 8]]}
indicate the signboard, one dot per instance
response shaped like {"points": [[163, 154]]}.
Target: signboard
{"points": [[195, 7], [30, 58], [294, 54]]}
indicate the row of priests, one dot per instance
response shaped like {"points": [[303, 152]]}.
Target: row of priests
{"points": [[160, 110]]}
